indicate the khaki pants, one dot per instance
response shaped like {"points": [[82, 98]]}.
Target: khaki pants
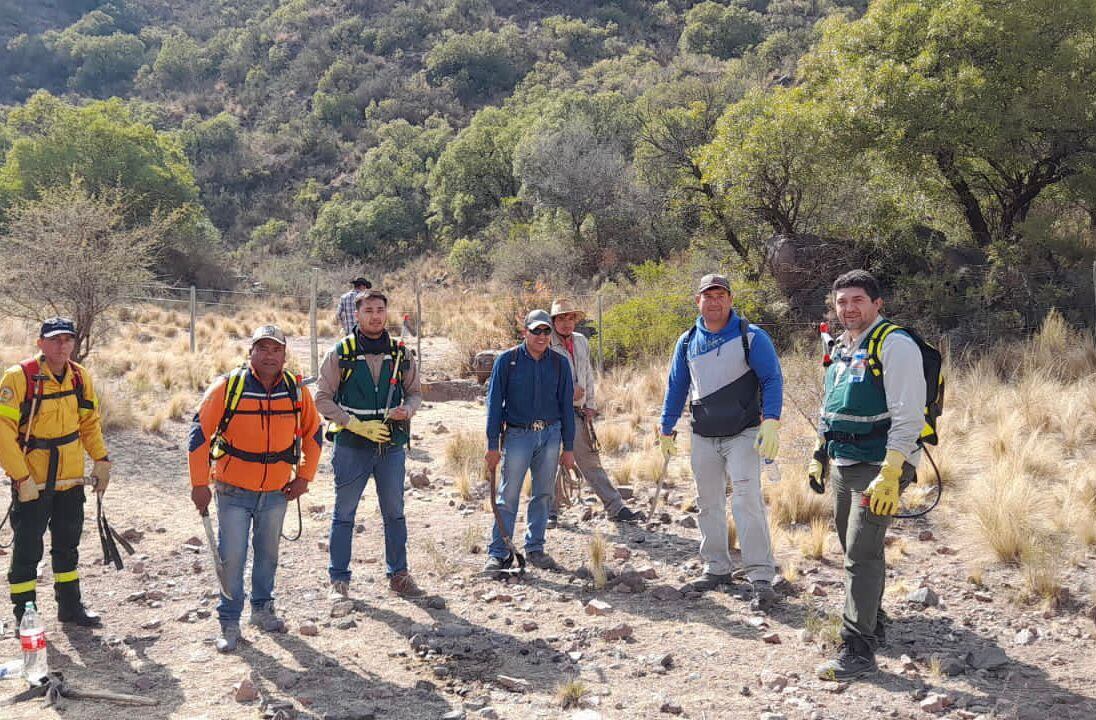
{"points": [[714, 462], [861, 533], [589, 464]]}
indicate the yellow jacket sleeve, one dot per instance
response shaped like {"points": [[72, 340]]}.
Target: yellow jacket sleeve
{"points": [[91, 426], [13, 389]]}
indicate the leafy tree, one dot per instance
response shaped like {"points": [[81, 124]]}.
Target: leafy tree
{"points": [[99, 143], [378, 229], [579, 40], [722, 31], [181, 63], [476, 66], [990, 103]]}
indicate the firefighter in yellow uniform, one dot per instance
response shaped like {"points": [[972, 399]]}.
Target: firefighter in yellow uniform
{"points": [[49, 416]]}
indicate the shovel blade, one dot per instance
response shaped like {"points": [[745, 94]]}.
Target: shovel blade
{"points": [[218, 564]]}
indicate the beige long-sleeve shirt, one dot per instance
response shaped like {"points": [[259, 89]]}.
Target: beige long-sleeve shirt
{"points": [[327, 386], [582, 369]]}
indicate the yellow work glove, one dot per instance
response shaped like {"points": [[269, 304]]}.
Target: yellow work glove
{"points": [[374, 430], [667, 445], [818, 466], [883, 490], [768, 439], [101, 472], [26, 489]]}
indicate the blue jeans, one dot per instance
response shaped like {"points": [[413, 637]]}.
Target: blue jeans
{"points": [[238, 511], [536, 452], [352, 467]]}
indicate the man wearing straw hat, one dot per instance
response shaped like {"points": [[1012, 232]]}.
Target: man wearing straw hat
{"points": [[575, 347]]}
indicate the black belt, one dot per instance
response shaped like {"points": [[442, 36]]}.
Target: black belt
{"points": [[288, 455], [856, 438], [535, 425], [54, 446]]}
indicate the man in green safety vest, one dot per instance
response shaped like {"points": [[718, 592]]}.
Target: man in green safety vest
{"points": [[872, 415], [369, 388]]}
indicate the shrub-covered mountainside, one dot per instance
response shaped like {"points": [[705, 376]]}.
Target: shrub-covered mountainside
{"points": [[946, 144]]}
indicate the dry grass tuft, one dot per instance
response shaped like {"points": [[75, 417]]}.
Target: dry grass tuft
{"points": [[812, 542], [615, 437], [792, 503], [598, 551], [570, 693], [464, 458]]}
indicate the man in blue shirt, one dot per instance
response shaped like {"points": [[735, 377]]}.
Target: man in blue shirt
{"points": [[529, 415], [729, 371]]}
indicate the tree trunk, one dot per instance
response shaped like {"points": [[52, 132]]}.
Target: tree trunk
{"points": [[972, 211]]}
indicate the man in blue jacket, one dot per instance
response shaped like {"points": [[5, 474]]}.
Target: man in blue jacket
{"points": [[729, 371], [529, 415]]}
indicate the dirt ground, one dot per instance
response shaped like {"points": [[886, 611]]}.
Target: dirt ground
{"points": [[977, 653]]}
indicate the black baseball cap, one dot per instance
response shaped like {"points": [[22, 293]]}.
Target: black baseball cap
{"points": [[713, 280], [361, 281], [55, 326]]}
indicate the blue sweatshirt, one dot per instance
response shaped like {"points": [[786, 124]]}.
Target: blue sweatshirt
{"points": [[522, 390], [704, 353]]}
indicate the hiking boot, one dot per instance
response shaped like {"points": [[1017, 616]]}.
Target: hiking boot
{"points": [[764, 596], [263, 616], [542, 560], [78, 615], [402, 584], [229, 639], [628, 516], [707, 581], [494, 564], [553, 522], [340, 590], [855, 660]]}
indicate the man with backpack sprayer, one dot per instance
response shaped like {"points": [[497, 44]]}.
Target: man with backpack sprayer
{"points": [[874, 417], [49, 418], [369, 389], [257, 436]]}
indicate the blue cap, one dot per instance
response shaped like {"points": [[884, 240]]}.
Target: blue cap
{"points": [[538, 317], [57, 326]]}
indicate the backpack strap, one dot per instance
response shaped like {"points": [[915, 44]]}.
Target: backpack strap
{"points": [[875, 346], [744, 332]]}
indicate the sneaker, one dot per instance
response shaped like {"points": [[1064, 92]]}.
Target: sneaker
{"points": [[494, 564], [542, 560], [340, 590], [263, 616], [707, 581], [229, 639], [628, 516], [855, 660], [764, 596], [403, 585]]}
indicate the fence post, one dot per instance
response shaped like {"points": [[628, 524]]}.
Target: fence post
{"points": [[1094, 296], [418, 323], [193, 318], [600, 340], [314, 340]]}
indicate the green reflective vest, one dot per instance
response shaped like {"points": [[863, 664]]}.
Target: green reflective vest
{"points": [[855, 415], [365, 398]]}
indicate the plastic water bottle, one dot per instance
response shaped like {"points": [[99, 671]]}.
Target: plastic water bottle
{"points": [[859, 366], [32, 636], [11, 669], [772, 470]]}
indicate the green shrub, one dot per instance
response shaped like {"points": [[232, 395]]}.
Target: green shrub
{"points": [[470, 259]]}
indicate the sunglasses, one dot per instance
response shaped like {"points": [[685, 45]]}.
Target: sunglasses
{"points": [[541, 330]]}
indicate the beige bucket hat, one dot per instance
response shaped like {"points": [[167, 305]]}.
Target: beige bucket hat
{"points": [[562, 306]]}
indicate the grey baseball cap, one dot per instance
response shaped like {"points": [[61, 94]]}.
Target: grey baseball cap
{"points": [[268, 332], [537, 317], [713, 280]]}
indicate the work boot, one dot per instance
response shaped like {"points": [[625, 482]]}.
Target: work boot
{"points": [[628, 516], [229, 639], [707, 581], [79, 615], [855, 660], [542, 560], [340, 590], [553, 521], [403, 585], [70, 609], [494, 564], [263, 616], [764, 596]]}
